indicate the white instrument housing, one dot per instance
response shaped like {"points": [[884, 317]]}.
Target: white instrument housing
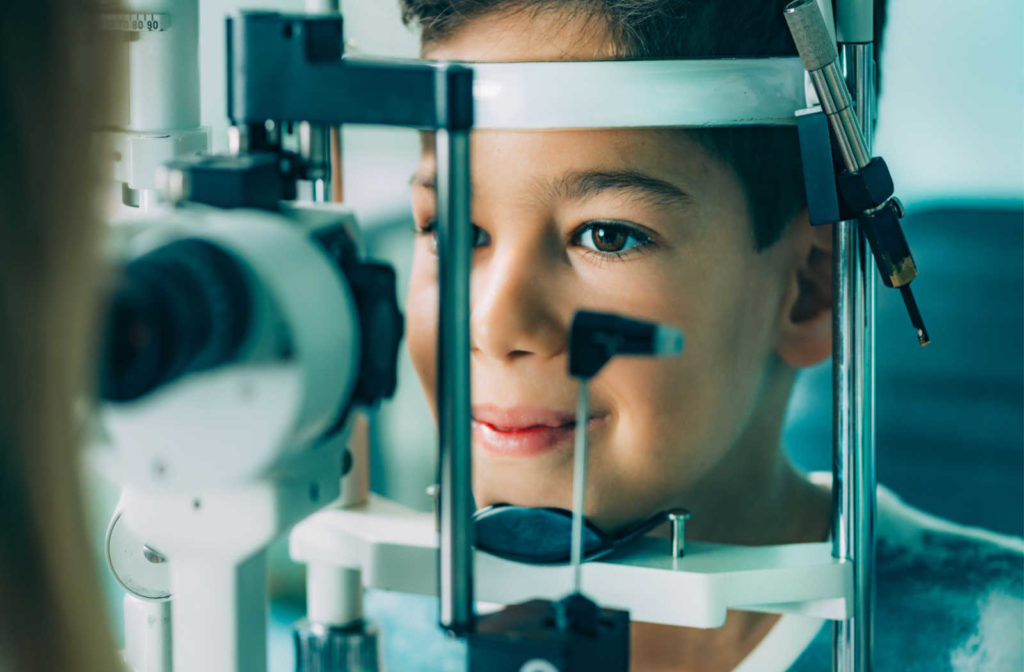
{"points": [[217, 464], [240, 422]]}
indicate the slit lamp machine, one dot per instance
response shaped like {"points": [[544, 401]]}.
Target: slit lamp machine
{"points": [[246, 326]]}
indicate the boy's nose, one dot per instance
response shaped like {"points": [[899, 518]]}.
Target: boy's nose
{"points": [[514, 312]]}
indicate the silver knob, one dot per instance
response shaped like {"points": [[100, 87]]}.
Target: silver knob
{"points": [[324, 648]]}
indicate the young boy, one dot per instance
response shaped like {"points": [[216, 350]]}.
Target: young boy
{"points": [[705, 230]]}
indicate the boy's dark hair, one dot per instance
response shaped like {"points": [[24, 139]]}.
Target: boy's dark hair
{"points": [[766, 159]]}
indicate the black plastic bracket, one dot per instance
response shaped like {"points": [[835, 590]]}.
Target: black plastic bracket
{"points": [[819, 166], [257, 180], [574, 635], [594, 338], [292, 68], [866, 189]]}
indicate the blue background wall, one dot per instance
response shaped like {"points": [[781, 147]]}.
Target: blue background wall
{"points": [[950, 417]]}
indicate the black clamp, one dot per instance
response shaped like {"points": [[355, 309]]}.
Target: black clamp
{"points": [[835, 194], [258, 180]]}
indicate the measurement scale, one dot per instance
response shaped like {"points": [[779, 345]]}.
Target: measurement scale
{"points": [[135, 22]]}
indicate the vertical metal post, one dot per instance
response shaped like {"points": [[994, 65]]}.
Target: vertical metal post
{"points": [[854, 374], [329, 189], [846, 412], [455, 249]]}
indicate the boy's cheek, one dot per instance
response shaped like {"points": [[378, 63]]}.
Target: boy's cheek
{"points": [[684, 409]]}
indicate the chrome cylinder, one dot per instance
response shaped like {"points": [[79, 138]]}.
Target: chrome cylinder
{"points": [[315, 152], [854, 484], [819, 56], [324, 648], [455, 250], [837, 103]]}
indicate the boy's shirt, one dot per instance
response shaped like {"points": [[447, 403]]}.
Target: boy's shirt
{"points": [[949, 598]]}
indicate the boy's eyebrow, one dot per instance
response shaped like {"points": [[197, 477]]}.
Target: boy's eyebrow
{"points": [[586, 184], [581, 185]]}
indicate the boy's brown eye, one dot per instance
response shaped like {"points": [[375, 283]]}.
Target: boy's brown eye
{"points": [[609, 238]]}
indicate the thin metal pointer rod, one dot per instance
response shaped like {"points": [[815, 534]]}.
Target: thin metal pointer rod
{"points": [[579, 484], [454, 398], [915, 315]]}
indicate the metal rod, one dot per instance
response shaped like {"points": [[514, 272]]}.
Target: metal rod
{"points": [[315, 152], [579, 484], [855, 21], [453, 382], [854, 394]]}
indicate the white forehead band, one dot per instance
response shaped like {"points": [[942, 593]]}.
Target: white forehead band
{"points": [[635, 94]]}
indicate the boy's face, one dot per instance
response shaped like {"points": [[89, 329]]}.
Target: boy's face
{"points": [[643, 223]]}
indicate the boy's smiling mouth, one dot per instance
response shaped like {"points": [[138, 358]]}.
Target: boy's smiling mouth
{"points": [[524, 431]]}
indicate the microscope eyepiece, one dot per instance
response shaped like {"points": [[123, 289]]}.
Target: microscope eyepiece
{"points": [[183, 307]]}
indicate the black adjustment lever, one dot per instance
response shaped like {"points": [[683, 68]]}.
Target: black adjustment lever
{"points": [[865, 187]]}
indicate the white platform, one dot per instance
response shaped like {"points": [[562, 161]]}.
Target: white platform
{"points": [[396, 549]]}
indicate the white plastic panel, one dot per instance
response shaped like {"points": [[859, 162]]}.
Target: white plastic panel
{"points": [[636, 94]]}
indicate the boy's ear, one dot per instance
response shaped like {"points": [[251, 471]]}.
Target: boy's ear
{"points": [[805, 336]]}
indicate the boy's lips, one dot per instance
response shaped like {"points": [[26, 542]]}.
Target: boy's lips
{"points": [[524, 431]]}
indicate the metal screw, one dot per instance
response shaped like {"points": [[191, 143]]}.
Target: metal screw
{"points": [[898, 204], [678, 518]]}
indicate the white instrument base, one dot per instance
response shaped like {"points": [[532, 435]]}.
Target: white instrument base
{"points": [[396, 549]]}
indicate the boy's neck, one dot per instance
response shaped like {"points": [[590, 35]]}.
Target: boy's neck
{"points": [[755, 496], [776, 506]]}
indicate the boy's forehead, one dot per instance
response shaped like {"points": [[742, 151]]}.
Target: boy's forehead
{"points": [[526, 35], [544, 34], [548, 157]]}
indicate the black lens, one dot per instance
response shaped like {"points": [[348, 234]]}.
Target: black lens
{"points": [[543, 536], [183, 307], [532, 535]]}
